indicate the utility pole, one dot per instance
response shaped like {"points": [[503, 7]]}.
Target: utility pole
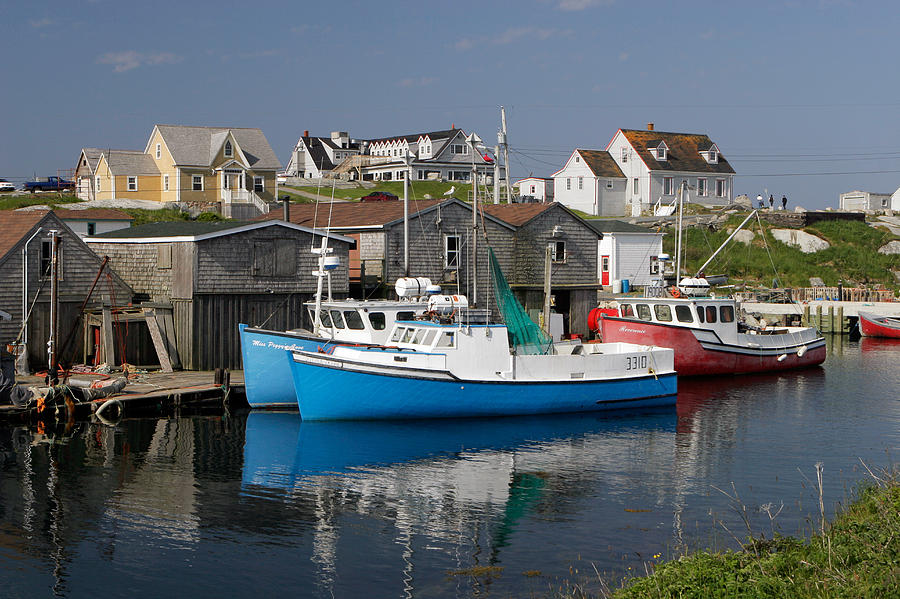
{"points": [[503, 144], [52, 373]]}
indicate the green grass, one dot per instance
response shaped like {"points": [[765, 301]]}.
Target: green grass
{"points": [[418, 190], [142, 216], [857, 555], [852, 259], [14, 202]]}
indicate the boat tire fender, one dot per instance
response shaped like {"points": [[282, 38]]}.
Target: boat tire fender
{"points": [[674, 291]]}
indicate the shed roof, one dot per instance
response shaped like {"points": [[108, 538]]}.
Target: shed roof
{"points": [[182, 231], [516, 214], [131, 162], [92, 155], [15, 225], [92, 214], [601, 163]]}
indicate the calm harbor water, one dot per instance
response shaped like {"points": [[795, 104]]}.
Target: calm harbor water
{"points": [[243, 505]]}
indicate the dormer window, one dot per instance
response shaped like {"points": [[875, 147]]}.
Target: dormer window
{"points": [[659, 151], [229, 150], [711, 155]]}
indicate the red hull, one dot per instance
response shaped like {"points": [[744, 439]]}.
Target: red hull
{"points": [[692, 359], [870, 327]]}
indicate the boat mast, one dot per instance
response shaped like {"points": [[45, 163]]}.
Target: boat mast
{"points": [[52, 343], [505, 147], [724, 243], [474, 141], [406, 218], [678, 237]]}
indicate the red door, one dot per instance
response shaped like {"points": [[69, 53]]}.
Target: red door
{"points": [[604, 270]]}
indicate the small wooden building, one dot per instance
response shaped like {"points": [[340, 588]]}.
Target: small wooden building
{"points": [[25, 253], [628, 253], [215, 275]]}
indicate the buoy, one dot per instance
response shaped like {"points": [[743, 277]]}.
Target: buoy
{"points": [[675, 292]]}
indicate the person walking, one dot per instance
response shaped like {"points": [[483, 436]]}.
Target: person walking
{"points": [[784, 202], [771, 201], [759, 200]]}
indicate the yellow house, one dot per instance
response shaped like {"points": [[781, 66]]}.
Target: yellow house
{"points": [[232, 167]]}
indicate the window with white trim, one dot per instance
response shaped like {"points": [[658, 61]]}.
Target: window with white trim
{"points": [[580, 182], [259, 185], [668, 186], [624, 154], [654, 265], [558, 251], [609, 184], [661, 152], [721, 188], [165, 182], [96, 184], [229, 149], [451, 251], [197, 182], [132, 183], [702, 187], [568, 183], [158, 151], [636, 186]]}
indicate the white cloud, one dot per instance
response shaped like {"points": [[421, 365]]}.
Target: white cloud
{"points": [[417, 81], [575, 5], [131, 59], [513, 35]]}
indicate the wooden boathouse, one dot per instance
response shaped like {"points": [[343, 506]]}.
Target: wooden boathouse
{"points": [[210, 276]]}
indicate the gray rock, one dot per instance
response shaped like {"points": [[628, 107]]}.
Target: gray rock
{"points": [[890, 248], [807, 243], [744, 236]]}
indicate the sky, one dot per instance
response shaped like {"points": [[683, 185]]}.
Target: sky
{"points": [[801, 97]]}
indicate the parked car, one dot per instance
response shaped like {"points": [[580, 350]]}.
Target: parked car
{"points": [[49, 184], [379, 196], [6, 185]]}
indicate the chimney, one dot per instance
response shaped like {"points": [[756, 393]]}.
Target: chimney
{"points": [[649, 126], [287, 209], [306, 133]]}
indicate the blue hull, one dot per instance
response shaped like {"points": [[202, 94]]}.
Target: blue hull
{"points": [[267, 366], [327, 393]]}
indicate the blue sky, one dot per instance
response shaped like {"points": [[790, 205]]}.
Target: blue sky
{"points": [[801, 97]]}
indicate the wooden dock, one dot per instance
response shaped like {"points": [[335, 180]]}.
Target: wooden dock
{"points": [[145, 395]]}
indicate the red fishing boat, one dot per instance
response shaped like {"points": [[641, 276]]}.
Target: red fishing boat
{"points": [[708, 337], [876, 325]]}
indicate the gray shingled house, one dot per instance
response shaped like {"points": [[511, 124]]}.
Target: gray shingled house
{"points": [[215, 275], [25, 239]]}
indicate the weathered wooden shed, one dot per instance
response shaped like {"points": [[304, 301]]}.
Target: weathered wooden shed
{"points": [[573, 253], [25, 252], [215, 275]]}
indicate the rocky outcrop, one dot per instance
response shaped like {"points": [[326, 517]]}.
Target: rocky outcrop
{"points": [[744, 236], [807, 243], [890, 248]]}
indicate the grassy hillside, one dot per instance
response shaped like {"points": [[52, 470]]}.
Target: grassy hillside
{"points": [[418, 190], [852, 259]]}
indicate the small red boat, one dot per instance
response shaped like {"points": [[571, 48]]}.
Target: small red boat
{"points": [[876, 325]]}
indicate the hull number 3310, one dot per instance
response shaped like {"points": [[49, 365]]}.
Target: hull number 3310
{"points": [[635, 362]]}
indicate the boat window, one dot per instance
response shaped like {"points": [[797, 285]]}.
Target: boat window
{"points": [[337, 319], [626, 310], [420, 333], [726, 313], [683, 313], [377, 319], [406, 315], [700, 314], [354, 320], [446, 339], [407, 336], [429, 337], [643, 311], [398, 332], [710, 313], [663, 312], [325, 317]]}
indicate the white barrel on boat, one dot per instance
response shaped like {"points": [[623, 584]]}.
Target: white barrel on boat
{"points": [[446, 304], [432, 290], [411, 286]]}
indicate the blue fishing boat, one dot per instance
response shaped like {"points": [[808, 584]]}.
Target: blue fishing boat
{"points": [[441, 368]]}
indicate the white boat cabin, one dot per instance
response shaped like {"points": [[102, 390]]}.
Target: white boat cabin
{"points": [[363, 321]]}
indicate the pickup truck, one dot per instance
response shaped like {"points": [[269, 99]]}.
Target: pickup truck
{"points": [[49, 184]]}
